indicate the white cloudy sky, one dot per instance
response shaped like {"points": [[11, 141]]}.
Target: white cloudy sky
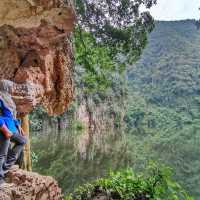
{"points": [[176, 9]]}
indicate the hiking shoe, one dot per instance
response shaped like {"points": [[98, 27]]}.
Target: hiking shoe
{"points": [[12, 168], [5, 185]]}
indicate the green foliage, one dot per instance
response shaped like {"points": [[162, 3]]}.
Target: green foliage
{"points": [[77, 126], [168, 71], [117, 120], [167, 135], [109, 35], [155, 183], [36, 119], [97, 62], [116, 23], [34, 157], [163, 107]]}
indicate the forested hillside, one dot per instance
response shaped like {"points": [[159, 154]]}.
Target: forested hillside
{"points": [[169, 69], [164, 106]]}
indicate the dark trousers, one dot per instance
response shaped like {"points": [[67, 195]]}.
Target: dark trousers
{"points": [[8, 156]]}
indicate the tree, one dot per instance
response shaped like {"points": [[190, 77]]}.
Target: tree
{"points": [[110, 34]]}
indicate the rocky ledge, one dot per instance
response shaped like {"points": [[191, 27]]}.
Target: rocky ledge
{"points": [[23, 185]]}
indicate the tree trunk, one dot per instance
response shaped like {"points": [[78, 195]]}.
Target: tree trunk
{"points": [[27, 162]]}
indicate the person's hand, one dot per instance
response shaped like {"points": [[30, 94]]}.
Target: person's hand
{"points": [[6, 132], [7, 135], [22, 131]]}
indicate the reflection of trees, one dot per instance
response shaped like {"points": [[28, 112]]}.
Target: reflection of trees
{"points": [[63, 160]]}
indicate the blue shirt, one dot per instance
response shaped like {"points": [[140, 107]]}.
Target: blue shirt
{"points": [[8, 119]]}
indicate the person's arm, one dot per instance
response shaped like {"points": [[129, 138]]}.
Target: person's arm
{"points": [[18, 125], [3, 128], [7, 133], [21, 130], [5, 111]]}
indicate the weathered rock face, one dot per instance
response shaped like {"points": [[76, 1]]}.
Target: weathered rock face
{"points": [[100, 119], [22, 185], [36, 54]]}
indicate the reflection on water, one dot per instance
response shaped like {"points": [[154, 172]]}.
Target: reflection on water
{"points": [[73, 160]]}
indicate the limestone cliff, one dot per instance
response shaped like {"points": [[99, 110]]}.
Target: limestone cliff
{"points": [[36, 54], [22, 185], [90, 119], [100, 118]]}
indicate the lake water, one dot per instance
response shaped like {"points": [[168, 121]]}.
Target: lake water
{"points": [[74, 159]]}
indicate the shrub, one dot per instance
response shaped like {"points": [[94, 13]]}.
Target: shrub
{"points": [[155, 183]]}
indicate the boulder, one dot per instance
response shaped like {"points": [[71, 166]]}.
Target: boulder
{"points": [[23, 185]]}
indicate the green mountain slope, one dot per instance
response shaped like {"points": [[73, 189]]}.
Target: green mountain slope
{"points": [[164, 103], [170, 66]]}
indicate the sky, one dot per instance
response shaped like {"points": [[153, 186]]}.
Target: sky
{"points": [[176, 9]]}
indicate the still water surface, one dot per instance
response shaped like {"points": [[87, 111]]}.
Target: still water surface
{"points": [[74, 159]]}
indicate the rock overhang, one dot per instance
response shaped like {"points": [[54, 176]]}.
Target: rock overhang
{"points": [[36, 53]]}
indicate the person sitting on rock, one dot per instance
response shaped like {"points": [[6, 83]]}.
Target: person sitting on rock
{"points": [[10, 131]]}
